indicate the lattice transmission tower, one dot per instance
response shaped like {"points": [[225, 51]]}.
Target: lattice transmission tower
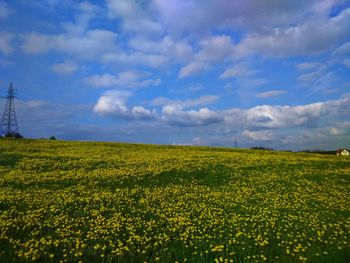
{"points": [[9, 126]]}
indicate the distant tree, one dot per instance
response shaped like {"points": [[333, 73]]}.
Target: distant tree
{"points": [[261, 148], [53, 138], [318, 151], [13, 135], [18, 135]]}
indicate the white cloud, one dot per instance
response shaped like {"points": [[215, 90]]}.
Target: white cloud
{"points": [[334, 131], [213, 49], [126, 79], [173, 111], [177, 51], [195, 18], [280, 126], [177, 116], [36, 43], [265, 135], [260, 117], [310, 77], [203, 100], [6, 42], [84, 13], [319, 80], [136, 58], [105, 80], [134, 17], [88, 45], [67, 67], [312, 115], [140, 112], [309, 66], [325, 6], [224, 14], [87, 11], [77, 39], [342, 50], [270, 93], [150, 82], [192, 68], [304, 39], [312, 73], [236, 72], [113, 103], [283, 116]]}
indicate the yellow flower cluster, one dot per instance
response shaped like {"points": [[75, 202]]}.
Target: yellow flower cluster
{"points": [[108, 202]]}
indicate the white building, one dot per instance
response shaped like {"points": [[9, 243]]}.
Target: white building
{"points": [[342, 152]]}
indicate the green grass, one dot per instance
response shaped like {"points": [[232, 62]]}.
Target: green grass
{"points": [[112, 202]]}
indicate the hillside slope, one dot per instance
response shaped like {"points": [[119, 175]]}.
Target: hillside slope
{"points": [[112, 202]]}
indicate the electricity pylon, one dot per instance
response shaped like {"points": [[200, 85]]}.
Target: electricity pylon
{"points": [[9, 126]]}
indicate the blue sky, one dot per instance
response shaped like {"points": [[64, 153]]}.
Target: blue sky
{"points": [[259, 72]]}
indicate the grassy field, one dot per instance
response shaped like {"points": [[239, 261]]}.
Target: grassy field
{"points": [[111, 202]]}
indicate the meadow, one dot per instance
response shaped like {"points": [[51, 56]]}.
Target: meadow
{"points": [[111, 202]]}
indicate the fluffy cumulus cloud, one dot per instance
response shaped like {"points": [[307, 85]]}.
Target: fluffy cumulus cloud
{"points": [[273, 117], [113, 103], [261, 125], [176, 112], [183, 113]]}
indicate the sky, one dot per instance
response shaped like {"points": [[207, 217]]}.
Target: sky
{"points": [[188, 72]]}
